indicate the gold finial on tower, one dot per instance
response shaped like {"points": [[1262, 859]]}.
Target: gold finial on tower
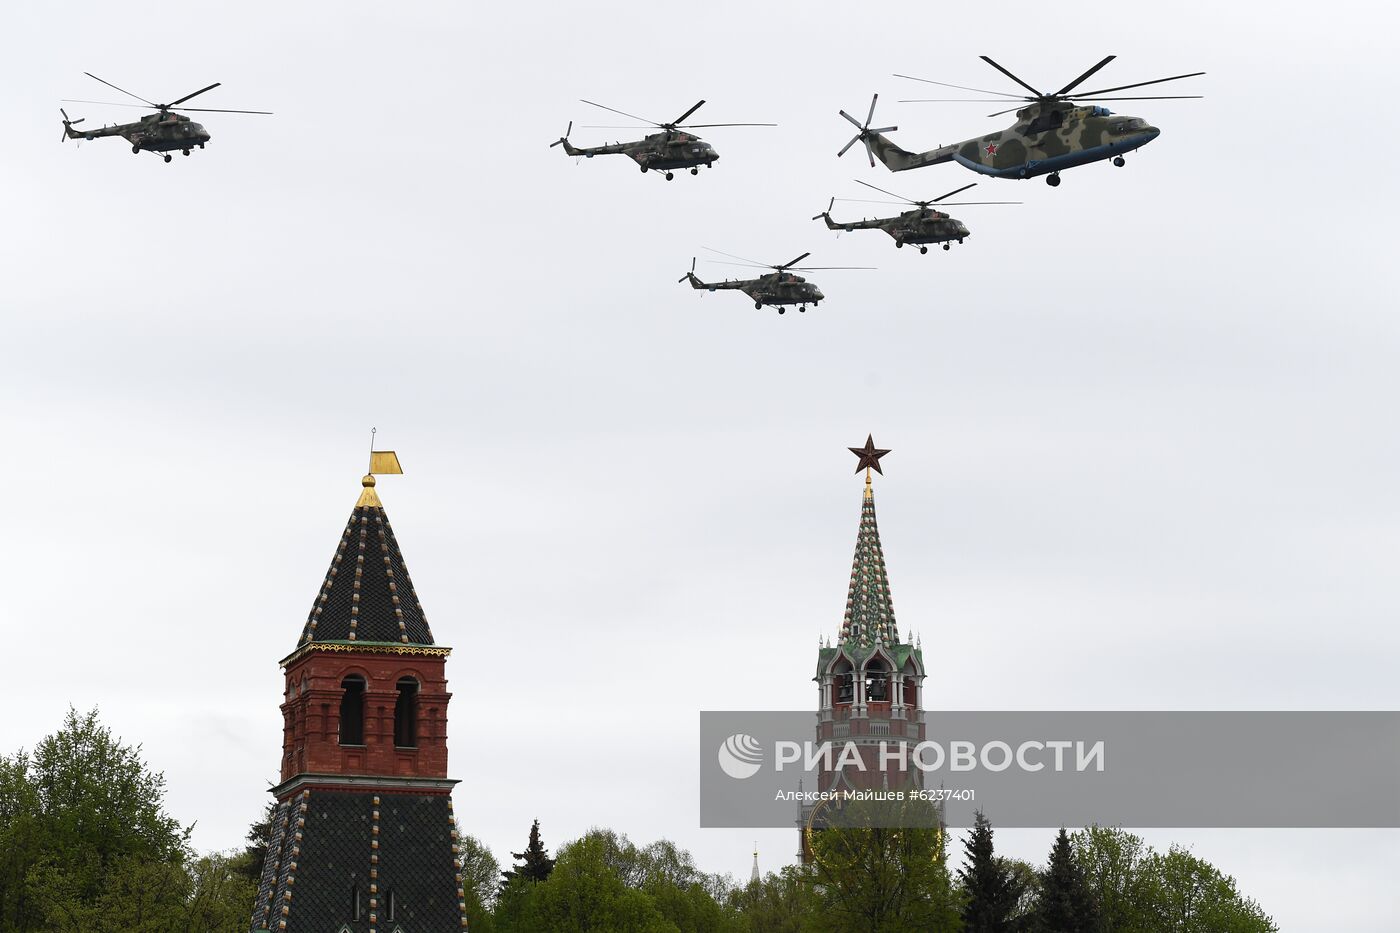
{"points": [[381, 462]]}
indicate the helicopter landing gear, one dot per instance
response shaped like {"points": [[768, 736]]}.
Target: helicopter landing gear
{"points": [[758, 306], [802, 309], [782, 310], [1053, 179], [670, 176], [923, 250], [899, 244], [695, 171], [186, 151], [1119, 161], [643, 168], [135, 150], [201, 145], [948, 246], [167, 157]]}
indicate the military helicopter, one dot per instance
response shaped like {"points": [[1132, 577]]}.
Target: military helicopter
{"points": [[663, 152], [921, 226], [1052, 133], [160, 132], [779, 287]]}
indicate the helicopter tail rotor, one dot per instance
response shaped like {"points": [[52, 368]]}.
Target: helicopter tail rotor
{"points": [[690, 276], [865, 133], [565, 138], [68, 126]]}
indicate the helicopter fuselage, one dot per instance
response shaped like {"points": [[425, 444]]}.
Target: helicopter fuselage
{"points": [[1045, 139], [657, 152], [154, 132], [919, 226], [773, 288]]}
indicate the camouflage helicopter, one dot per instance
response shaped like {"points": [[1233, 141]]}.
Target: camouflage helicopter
{"points": [[1052, 133], [920, 226], [663, 152], [160, 132], [779, 287]]}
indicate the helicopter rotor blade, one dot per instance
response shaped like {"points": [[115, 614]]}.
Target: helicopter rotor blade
{"points": [[1000, 112], [871, 201], [789, 265], [827, 268], [103, 103], [1157, 97], [951, 193], [761, 265], [1011, 76], [1084, 77], [560, 140], [854, 140], [625, 114], [869, 153], [952, 100], [681, 119], [969, 203], [188, 96], [891, 193], [1124, 87], [124, 91], [219, 110], [697, 126], [958, 86]]}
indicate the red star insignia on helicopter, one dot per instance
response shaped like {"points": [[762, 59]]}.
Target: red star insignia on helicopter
{"points": [[991, 149]]}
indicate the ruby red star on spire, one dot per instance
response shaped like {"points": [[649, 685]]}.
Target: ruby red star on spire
{"points": [[869, 455]]}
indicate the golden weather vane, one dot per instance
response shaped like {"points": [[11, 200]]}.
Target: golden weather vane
{"points": [[380, 462]]}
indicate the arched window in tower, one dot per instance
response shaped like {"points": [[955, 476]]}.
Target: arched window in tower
{"points": [[843, 679], [877, 680], [406, 714], [352, 711]]}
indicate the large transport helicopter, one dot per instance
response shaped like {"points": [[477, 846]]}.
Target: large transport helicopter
{"points": [[1052, 133], [666, 151], [777, 288], [164, 131], [919, 227]]}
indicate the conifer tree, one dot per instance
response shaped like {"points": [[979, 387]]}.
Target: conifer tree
{"points": [[986, 883], [1066, 905], [537, 863]]}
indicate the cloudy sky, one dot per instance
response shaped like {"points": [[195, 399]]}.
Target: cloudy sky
{"points": [[1141, 423]]}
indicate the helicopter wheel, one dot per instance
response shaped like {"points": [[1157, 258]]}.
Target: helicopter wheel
{"points": [[201, 145], [758, 306], [167, 157], [1053, 179], [782, 310], [899, 244], [923, 250], [695, 171], [186, 151], [643, 168], [803, 309], [670, 176], [1119, 161], [135, 150], [947, 246]]}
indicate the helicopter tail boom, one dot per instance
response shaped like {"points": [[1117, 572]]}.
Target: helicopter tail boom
{"points": [[899, 160]]}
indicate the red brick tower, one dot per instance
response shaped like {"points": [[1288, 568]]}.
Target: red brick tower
{"points": [[870, 684], [363, 834]]}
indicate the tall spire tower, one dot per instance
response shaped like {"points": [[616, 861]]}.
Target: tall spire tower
{"points": [[870, 683], [363, 837]]}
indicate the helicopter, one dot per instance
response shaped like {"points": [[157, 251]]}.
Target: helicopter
{"points": [[162, 132], [779, 287], [919, 227], [663, 152], [1053, 132]]}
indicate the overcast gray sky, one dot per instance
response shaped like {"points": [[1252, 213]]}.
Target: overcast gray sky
{"points": [[1143, 454]]}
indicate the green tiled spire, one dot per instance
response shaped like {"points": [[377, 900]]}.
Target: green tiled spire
{"points": [[869, 609]]}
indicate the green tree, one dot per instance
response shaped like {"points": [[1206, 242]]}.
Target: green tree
{"points": [[883, 869], [480, 880], [536, 863], [1184, 894], [987, 882], [1111, 862], [82, 815], [583, 893], [782, 902], [1065, 904]]}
